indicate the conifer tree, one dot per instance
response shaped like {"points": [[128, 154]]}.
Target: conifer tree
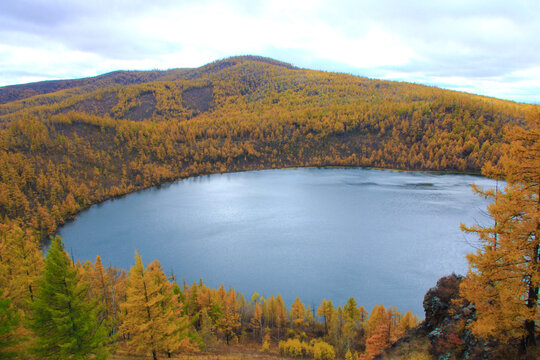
{"points": [[242, 306], [335, 330], [265, 311], [281, 315], [229, 321], [23, 260], [309, 317], [256, 320], [272, 311], [407, 322], [325, 311], [379, 338], [350, 311], [64, 322], [504, 277], [363, 313], [298, 313], [9, 321], [152, 318], [207, 330], [100, 284], [375, 317]]}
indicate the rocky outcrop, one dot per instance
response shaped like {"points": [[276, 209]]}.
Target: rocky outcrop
{"points": [[446, 324], [447, 316]]}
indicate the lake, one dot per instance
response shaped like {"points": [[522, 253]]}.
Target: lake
{"points": [[383, 237]]}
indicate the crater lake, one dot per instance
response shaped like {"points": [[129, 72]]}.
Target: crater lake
{"points": [[383, 237]]}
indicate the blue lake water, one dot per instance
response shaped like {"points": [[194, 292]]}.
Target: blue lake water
{"points": [[383, 237]]}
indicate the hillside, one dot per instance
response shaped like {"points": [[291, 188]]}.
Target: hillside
{"points": [[106, 136], [65, 145]]}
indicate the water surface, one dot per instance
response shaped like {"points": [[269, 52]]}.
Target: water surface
{"points": [[380, 236]]}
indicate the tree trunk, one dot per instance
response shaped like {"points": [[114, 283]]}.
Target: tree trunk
{"points": [[532, 302]]}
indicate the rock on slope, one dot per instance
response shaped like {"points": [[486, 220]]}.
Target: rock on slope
{"points": [[445, 335]]}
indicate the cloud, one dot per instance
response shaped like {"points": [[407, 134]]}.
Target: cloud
{"points": [[487, 47]]}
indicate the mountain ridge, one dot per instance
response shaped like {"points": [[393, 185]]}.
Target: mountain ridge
{"points": [[22, 91], [14, 92]]}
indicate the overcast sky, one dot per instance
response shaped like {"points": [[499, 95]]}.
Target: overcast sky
{"points": [[488, 47]]}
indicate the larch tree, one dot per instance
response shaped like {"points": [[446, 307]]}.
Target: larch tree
{"points": [[101, 285], [298, 313], [20, 254], [272, 311], [325, 311], [335, 330], [504, 274], [380, 337], [256, 320], [281, 315], [407, 322], [151, 318], [21, 263], [377, 313], [64, 322], [206, 331], [351, 312], [309, 317], [107, 286], [229, 322], [243, 311], [351, 322]]}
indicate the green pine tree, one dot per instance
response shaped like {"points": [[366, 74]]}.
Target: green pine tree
{"points": [[9, 321], [64, 321]]}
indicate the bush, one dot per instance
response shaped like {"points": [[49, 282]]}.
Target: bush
{"points": [[323, 351], [266, 346], [295, 348]]}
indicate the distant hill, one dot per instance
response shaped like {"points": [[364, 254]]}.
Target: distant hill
{"points": [[23, 91], [70, 143]]}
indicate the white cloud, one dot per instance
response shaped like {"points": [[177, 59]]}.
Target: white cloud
{"points": [[489, 48]]}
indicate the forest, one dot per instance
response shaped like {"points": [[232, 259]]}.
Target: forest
{"points": [[63, 151], [67, 145]]}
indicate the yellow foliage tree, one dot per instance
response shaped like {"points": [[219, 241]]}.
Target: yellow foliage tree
{"points": [[298, 313], [22, 263], [152, 317], [325, 311], [407, 322], [229, 321], [504, 275], [379, 337]]}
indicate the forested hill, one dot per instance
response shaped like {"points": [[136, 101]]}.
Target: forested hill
{"points": [[79, 142], [84, 85]]}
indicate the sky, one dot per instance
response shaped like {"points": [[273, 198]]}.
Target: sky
{"points": [[487, 47]]}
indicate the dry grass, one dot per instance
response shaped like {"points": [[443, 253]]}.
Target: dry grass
{"points": [[416, 349], [233, 352]]}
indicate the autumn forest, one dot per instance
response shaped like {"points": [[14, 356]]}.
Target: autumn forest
{"points": [[65, 145]]}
